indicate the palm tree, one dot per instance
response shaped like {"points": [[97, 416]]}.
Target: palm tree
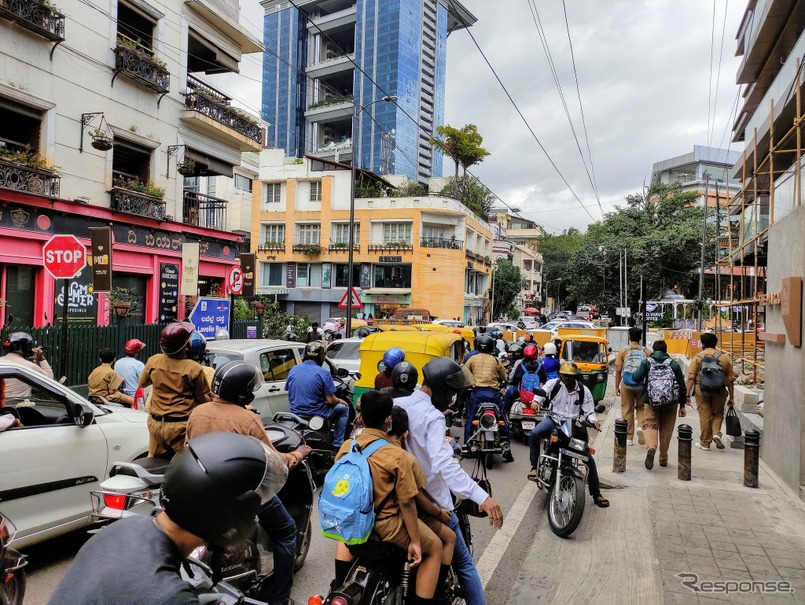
{"points": [[462, 145]]}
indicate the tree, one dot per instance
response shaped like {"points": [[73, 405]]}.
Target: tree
{"points": [[558, 253], [462, 145], [507, 283], [471, 192], [280, 325]]}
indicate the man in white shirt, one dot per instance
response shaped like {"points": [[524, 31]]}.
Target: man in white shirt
{"points": [[19, 347], [442, 379], [568, 399]]}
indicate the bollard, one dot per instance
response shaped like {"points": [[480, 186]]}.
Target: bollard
{"points": [[619, 460], [685, 437], [751, 458]]}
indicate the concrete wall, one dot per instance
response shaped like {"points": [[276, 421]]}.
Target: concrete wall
{"points": [[784, 415]]}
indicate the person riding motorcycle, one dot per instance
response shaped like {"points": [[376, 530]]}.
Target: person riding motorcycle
{"points": [[500, 343], [567, 399], [311, 392], [390, 359], [234, 384], [20, 350], [550, 363], [179, 385], [529, 363], [488, 373], [212, 493], [442, 379], [404, 378], [130, 367]]}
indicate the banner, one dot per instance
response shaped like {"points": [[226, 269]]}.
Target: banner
{"points": [[83, 306], [190, 253], [248, 264], [101, 245], [168, 291]]}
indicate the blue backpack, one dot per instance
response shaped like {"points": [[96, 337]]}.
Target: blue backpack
{"points": [[530, 380], [346, 501], [634, 359]]}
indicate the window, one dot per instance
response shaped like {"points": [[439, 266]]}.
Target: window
{"points": [[432, 232], [135, 26], [526, 265], [273, 274], [242, 183], [19, 294], [344, 350], [340, 233], [272, 193], [342, 275], [397, 233], [274, 234], [308, 233], [275, 365], [212, 186], [19, 127], [130, 162], [308, 275], [315, 191], [393, 276], [41, 407]]}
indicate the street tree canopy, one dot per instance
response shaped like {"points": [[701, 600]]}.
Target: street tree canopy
{"points": [[462, 145], [507, 283]]}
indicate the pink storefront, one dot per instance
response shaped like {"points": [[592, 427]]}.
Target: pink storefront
{"points": [[147, 254]]}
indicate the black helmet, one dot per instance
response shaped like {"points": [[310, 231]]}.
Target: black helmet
{"points": [[362, 332], [215, 487], [174, 337], [236, 382], [20, 342], [445, 377], [404, 376], [315, 351], [485, 344]]}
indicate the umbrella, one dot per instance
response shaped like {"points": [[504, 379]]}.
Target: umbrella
{"points": [[530, 310]]}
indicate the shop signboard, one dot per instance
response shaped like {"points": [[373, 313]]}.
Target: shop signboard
{"points": [[168, 291], [209, 315], [82, 305], [248, 262], [101, 245]]}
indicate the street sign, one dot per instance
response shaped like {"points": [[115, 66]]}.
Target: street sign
{"points": [[355, 302], [209, 315], [64, 256], [234, 281]]}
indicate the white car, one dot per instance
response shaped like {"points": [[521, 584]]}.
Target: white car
{"points": [[65, 449], [450, 323], [527, 322], [346, 353], [500, 326], [554, 326]]}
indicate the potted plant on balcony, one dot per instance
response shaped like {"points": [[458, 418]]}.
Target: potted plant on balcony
{"points": [[145, 187], [186, 167], [308, 249], [122, 300], [26, 157], [101, 139], [339, 245]]}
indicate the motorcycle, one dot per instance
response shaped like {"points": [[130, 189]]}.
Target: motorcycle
{"points": [[486, 441], [522, 418], [12, 566]]}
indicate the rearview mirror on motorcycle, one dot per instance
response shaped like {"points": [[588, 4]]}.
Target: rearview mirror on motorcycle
{"points": [[342, 372], [316, 423]]}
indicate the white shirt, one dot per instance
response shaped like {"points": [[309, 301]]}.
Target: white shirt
{"points": [[565, 405], [17, 389], [443, 473]]}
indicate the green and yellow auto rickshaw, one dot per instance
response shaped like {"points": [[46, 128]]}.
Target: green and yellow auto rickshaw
{"points": [[591, 355]]}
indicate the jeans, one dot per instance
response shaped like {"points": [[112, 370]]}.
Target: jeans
{"points": [[512, 393], [478, 396], [464, 566], [338, 416], [280, 527]]}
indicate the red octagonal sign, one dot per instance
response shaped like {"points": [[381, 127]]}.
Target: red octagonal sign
{"points": [[64, 256]]}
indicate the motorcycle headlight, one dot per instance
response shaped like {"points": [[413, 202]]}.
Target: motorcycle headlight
{"points": [[600, 377], [577, 444], [488, 421]]}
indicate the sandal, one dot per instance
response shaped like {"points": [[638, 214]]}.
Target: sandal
{"points": [[600, 501], [532, 474]]}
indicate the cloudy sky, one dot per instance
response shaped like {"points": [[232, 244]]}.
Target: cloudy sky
{"points": [[646, 80]]}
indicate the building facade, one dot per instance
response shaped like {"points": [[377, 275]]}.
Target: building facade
{"points": [[101, 108], [530, 263], [408, 252], [320, 63], [706, 170]]}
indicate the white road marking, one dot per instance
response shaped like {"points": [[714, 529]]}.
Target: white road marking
{"points": [[493, 553]]}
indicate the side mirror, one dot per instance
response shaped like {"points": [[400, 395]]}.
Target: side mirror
{"points": [[342, 372], [610, 349], [83, 415], [600, 408], [316, 423]]}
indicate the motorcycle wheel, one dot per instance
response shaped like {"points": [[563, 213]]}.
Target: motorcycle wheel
{"points": [[489, 458], [13, 591], [566, 505], [301, 551]]}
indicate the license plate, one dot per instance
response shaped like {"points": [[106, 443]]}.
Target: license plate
{"points": [[570, 454], [528, 425]]}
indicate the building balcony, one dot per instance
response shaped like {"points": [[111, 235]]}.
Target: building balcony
{"points": [[331, 66], [334, 20], [330, 110], [27, 179], [271, 247], [133, 202], [401, 246], [342, 246], [450, 243], [141, 67], [37, 17], [204, 211], [308, 249], [210, 112]]}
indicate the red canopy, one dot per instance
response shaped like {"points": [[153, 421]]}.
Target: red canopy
{"points": [[530, 310]]}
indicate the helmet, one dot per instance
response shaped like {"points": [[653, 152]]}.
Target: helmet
{"points": [[197, 346], [391, 358], [485, 344], [20, 342], [236, 381], [215, 487], [445, 377], [221, 334], [362, 332], [404, 376], [133, 346], [315, 351], [549, 348], [568, 367], [530, 352], [174, 337], [496, 334]]}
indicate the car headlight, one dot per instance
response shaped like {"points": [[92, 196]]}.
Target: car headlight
{"points": [[577, 444]]}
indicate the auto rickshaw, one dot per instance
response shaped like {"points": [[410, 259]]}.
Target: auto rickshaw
{"points": [[419, 347], [590, 354], [466, 333]]}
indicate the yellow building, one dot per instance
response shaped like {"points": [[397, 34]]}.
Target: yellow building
{"points": [[424, 252]]}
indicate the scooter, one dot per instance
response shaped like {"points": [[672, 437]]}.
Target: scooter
{"points": [[522, 418], [485, 441], [12, 566]]}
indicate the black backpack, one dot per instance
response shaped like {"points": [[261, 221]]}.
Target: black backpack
{"points": [[711, 373]]}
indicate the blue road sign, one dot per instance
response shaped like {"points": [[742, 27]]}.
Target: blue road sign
{"points": [[210, 314]]}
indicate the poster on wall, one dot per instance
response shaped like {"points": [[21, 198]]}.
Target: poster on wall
{"points": [[190, 253], [82, 305], [366, 276], [290, 275], [168, 291], [101, 244], [326, 275]]}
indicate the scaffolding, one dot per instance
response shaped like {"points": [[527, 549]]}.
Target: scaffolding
{"points": [[771, 187]]}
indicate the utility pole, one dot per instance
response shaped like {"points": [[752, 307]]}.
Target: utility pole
{"points": [[643, 308], [704, 241], [717, 264], [620, 283]]}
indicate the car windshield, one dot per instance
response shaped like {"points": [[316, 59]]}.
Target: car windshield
{"points": [[344, 350], [219, 359], [553, 324]]}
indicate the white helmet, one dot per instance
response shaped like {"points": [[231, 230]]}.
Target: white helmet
{"points": [[549, 348]]}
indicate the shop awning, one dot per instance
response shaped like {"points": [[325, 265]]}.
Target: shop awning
{"points": [[262, 290], [204, 55], [386, 291], [207, 165]]}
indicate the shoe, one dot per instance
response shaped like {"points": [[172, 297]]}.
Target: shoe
{"points": [[640, 438], [650, 458], [719, 443], [508, 457], [699, 446], [630, 442], [663, 463]]}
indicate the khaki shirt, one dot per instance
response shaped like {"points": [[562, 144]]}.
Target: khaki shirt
{"points": [[487, 370], [726, 363], [104, 381], [179, 385]]}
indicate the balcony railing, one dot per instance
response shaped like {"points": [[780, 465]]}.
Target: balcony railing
{"points": [[271, 247], [215, 105], [36, 17], [36, 181], [390, 246], [336, 246], [442, 242], [204, 211], [131, 202], [142, 67], [471, 254]]}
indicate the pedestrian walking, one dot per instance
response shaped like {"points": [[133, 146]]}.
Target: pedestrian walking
{"points": [[633, 392], [710, 380]]}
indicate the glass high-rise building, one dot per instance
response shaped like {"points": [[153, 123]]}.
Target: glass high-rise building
{"points": [[311, 83]]}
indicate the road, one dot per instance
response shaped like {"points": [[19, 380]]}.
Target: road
{"points": [[500, 555]]}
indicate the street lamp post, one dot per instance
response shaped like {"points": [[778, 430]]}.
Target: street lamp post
{"points": [[350, 262]]}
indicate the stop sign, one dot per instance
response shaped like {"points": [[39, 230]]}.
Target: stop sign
{"points": [[64, 256]]}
